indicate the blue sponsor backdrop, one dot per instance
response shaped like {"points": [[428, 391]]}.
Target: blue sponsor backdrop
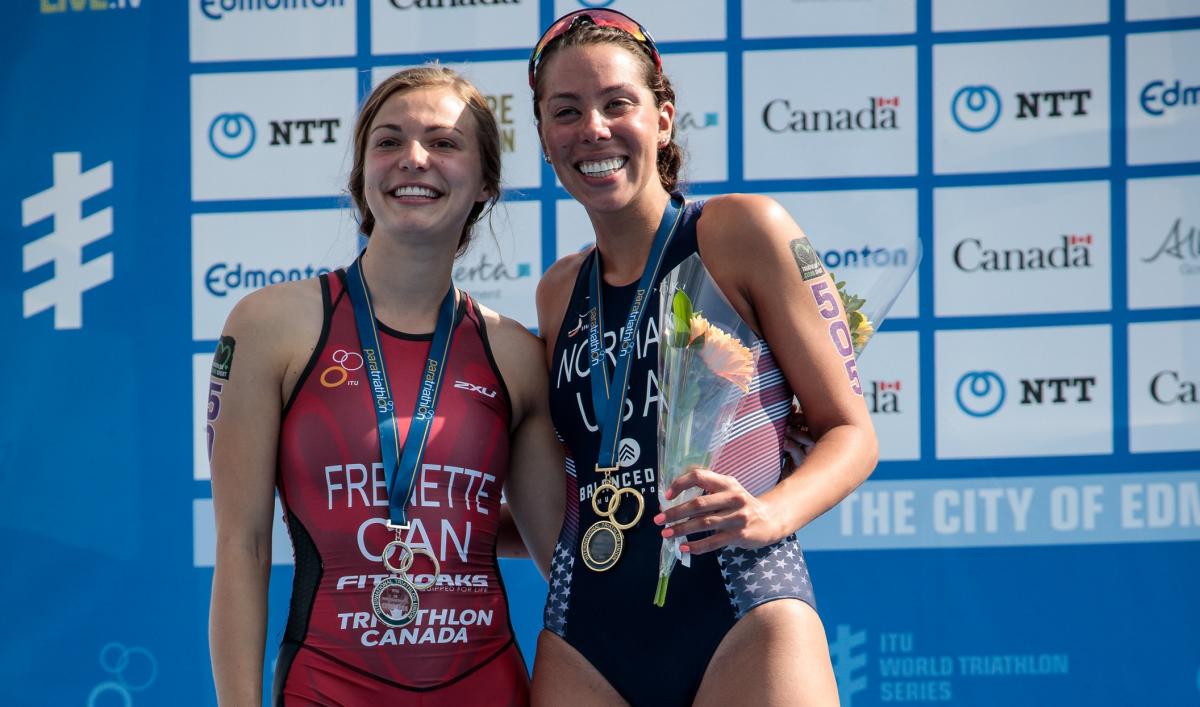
{"points": [[968, 572]]}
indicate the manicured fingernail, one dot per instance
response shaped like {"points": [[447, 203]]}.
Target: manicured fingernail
{"points": [[685, 548], [660, 518], [667, 494], [668, 532]]}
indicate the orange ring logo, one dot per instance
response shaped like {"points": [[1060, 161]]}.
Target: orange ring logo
{"points": [[337, 370]]}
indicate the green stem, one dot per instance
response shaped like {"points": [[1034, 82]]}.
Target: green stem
{"points": [[660, 594]]}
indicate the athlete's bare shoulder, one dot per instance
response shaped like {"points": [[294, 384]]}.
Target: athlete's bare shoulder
{"points": [[519, 356], [280, 325]]}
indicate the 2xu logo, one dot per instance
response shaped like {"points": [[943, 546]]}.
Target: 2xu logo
{"points": [[471, 387]]}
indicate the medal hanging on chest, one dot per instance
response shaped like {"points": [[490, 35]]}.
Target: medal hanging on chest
{"points": [[604, 540], [395, 600]]}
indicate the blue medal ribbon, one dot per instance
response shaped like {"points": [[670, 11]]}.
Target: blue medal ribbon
{"points": [[400, 465], [608, 400]]}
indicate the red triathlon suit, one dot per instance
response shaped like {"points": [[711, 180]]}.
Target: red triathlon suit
{"points": [[460, 650]]}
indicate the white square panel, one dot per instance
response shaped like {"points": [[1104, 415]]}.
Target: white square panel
{"points": [[1022, 249], [830, 113], [261, 135], [1164, 242], [1162, 97], [1044, 391], [1164, 386], [1025, 105]]}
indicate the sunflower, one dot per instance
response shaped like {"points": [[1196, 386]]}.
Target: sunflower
{"points": [[862, 334], [724, 355]]}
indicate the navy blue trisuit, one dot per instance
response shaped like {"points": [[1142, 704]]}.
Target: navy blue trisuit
{"points": [[652, 655]]}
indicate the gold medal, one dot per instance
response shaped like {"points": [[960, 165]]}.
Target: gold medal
{"points": [[395, 600], [603, 541]]}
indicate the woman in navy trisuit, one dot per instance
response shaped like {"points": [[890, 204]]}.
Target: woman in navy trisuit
{"points": [[300, 406], [739, 626]]}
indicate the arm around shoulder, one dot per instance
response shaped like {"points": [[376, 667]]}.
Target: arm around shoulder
{"points": [[535, 487]]}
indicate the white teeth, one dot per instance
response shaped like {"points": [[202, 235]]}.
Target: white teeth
{"points": [[602, 168], [415, 191]]}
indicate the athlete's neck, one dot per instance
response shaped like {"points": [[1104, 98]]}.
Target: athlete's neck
{"points": [[407, 281], [624, 238]]}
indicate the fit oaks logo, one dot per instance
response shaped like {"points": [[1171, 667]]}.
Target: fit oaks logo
{"points": [[879, 113]]}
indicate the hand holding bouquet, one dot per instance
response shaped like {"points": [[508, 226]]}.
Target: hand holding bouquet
{"points": [[707, 356]]}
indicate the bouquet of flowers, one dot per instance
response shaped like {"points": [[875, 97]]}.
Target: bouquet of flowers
{"points": [[865, 315], [706, 358]]}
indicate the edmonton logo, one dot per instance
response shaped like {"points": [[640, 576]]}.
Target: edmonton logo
{"points": [[1157, 97]]}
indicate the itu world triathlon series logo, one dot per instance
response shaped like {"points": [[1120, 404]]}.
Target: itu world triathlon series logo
{"points": [[231, 135], [975, 108], [980, 393], [849, 663], [132, 670], [63, 246]]}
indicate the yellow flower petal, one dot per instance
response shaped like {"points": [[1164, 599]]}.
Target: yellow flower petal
{"points": [[726, 357]]}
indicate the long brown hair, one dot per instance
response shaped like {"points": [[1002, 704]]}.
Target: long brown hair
{"points": [[670, 157], [487, 133]]}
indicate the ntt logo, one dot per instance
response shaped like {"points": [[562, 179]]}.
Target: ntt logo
{"points": [[980, 393], [975, 108], [231, 135], [222, 278]]}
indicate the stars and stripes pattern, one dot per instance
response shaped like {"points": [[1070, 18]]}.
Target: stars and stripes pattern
{"points": [[559, 596], [753, 441], [772, 572]]}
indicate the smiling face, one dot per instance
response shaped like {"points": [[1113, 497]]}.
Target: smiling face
{"points": [[422, 169], [599, 125]]}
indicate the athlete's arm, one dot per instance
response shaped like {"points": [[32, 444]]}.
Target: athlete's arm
{"points": [[749, 244], [245, 434], [535, 485]]}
